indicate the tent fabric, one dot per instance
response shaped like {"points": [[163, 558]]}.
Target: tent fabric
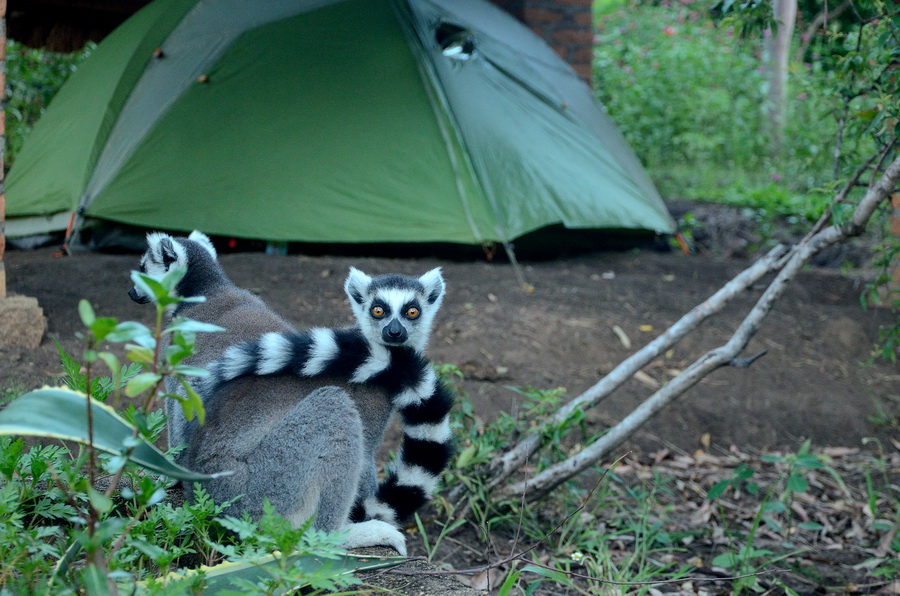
{"points": [[331, 121]]}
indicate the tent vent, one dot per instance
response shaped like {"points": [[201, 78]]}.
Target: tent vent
{"points": [[455, 42]]}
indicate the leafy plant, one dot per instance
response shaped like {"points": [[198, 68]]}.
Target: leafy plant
{"points": [[94, 519], [33, 76]]}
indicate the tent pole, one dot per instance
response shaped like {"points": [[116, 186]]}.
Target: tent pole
{"points": [[517, 269]]}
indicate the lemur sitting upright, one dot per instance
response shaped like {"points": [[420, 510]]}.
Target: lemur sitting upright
{"points": [[384, 351], [301, 445]]}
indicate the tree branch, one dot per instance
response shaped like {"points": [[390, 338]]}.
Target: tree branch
{"points": [[553, 476], [513, 459]]}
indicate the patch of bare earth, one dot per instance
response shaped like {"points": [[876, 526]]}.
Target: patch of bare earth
{"points": [[587, 313]]}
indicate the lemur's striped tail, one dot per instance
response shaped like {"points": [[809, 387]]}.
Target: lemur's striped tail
{"points": [[340, 353], [426, 450], [402, 373]]}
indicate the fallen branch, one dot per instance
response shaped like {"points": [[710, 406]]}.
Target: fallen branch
{"points": [[513, 459], [538, 486]]}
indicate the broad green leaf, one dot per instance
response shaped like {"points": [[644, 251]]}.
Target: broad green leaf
{"points": [[141, 383], [59, 413], [220, 577]]}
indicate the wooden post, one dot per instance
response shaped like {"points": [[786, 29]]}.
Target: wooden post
{"points": [[2, 149]]}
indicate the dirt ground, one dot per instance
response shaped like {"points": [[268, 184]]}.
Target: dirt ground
{"points": [[814, 382], [586, 314]]}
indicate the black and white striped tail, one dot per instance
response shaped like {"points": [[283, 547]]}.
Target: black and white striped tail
{"points": [[425, 452], [402, 373]]}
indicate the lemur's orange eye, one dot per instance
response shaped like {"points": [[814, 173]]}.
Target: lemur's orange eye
{"points": [[377, 312], [412, 312]]}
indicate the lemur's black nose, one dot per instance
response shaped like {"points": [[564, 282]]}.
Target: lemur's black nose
{"points": [[394, 332], [133, 294]]}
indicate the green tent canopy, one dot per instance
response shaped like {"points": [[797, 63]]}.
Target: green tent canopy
{"points": [[335, 121]]}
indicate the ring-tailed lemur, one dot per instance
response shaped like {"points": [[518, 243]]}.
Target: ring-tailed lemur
{"points": [[384, 351], [301, 445]]}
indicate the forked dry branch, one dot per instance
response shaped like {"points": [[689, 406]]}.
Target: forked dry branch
{"points": [[785, 262]]}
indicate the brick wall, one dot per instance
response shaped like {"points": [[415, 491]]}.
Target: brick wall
{"points": [[567, 25]]}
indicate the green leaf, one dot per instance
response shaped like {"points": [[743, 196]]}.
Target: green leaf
{"points": [[797, 483], [726, 560], [127, 331], [190, 326], [774, 507], [86, 312], [140, 354], [172, 277], [811, 525], [99, 501], [465, 456], [62, 414], [94, 581], [148, 285], [221, 576], [193, 404], [112, 363], [507, 586], [141, 383], [551, 574], [191, 371], [718, 489]]}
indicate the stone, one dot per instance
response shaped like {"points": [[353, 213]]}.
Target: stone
{"points": [[22, 322]]}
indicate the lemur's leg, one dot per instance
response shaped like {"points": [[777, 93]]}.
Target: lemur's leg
{"points": [[312, 460]]}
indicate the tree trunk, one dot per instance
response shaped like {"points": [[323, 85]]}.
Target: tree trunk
{"points": [[777, 54]]}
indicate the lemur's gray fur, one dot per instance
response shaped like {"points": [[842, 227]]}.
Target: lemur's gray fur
{"points": [[303, 445], [383, 352]]}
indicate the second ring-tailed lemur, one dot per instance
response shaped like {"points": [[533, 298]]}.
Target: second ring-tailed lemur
{"points": [[394, 314], [301, 445]]}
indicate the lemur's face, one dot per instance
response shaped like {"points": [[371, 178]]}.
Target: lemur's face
{"points": [[395, 310], [163, 254]]}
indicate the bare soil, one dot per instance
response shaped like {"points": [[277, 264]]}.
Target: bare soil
{"points": [[815, 380], [585, 314]]}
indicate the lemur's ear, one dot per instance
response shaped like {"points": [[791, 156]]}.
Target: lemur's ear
{"points": [[433, 282], [356, 285], [167, 251], [204, 241]]}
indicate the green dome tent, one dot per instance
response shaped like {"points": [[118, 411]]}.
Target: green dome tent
{"points": [[334, 121]]}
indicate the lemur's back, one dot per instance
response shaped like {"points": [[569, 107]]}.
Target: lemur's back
{"points": [[301, 444], [244, 315]]}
